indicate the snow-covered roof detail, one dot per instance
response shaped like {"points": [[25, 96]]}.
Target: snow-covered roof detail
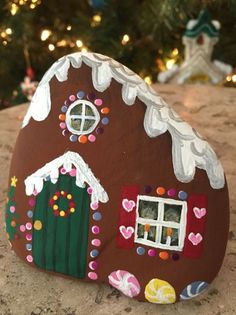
{"points": [[68, 161], [189, 150]]}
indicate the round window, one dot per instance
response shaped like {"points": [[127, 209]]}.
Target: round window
{"points": [[82, 117]]}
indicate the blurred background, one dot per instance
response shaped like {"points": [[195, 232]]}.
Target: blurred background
{"points": [[165, 41]]}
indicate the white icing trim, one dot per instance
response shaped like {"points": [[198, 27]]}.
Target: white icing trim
{"points": [[189, 149], [83, 175], [159, 223]]}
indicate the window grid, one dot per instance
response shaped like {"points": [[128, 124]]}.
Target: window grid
{"points": [[160, 223]]}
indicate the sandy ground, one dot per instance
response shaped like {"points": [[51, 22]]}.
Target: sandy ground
{"points": [[25, 291]]}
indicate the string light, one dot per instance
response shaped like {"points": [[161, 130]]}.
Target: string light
{"points": [[148, 79], [125, 39], [3, 34], [175, 52], [79, 43], [8, 31], [14, 8], [62, 43], [96, 20], [45, 34], [84, 49], [228, 78], [51, 47], [234, 78], [170, 63], [69, 27]]}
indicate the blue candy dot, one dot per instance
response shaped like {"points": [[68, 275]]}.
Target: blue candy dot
{"points": [[73, 138], [64, 108], [30, 214], [94, 253], [28, 246], [97, 216], [80, 94], [140, 250], [105, 121], [182, 195]]}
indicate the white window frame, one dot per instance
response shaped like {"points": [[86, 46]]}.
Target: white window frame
{"points": [[82, 116], [159, 223]]}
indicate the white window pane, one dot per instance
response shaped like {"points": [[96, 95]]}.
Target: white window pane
{"points": [[172, 213], [170, 236], [148, 209], [76, 123]]}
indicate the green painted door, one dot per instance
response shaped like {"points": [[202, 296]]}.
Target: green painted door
{"points": [[60, 234]]}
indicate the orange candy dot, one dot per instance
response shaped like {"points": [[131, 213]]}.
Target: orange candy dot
{"points": [[160, 190], [105, 110], [164, 255], [62, 117], [83, 139], [13, 223]]}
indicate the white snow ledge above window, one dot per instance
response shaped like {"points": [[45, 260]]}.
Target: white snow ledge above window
{"points": [[189, 149]]}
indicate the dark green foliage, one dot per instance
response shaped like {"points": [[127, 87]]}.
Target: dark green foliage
{"points": [[155, 28]]}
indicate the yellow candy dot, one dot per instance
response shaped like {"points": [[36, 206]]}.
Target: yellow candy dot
{"points": [[72, 210], [62, 192], [54, 197], [160, 292], [69, 196], [62, 213], [38, 225], [55, 207]]}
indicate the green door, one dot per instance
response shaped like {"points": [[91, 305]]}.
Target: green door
{"points": [[60, 234]]}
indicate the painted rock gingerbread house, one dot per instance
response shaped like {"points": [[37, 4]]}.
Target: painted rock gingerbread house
{"points": [[103, 191]]}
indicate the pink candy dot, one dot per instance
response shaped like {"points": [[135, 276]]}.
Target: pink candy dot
{"points": [[96, 242], [171, 192], [35, 192], [62, 125], [29, 258], [22, 228], [95, 229], [72, 98], [94, 205], [63, 171], [29, 237], [31, 202], [90, 190], [92, 275], [28, 226], [92, 138], [151, 252], [12, 209], [73, 172], [93, 265], [98, 102]]}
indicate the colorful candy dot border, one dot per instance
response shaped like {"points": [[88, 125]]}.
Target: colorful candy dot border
{"points": [[55, 208], [99, 130]]}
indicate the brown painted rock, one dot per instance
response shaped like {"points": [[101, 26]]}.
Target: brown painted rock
{"points": [[106, 192]]}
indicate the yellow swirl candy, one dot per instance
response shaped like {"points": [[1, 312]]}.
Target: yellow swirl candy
{"points": [[159, 292]]}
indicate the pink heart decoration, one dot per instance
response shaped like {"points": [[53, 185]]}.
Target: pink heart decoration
{"points": [[199, 212], [128, 205], [195, 239], [126, 231]]}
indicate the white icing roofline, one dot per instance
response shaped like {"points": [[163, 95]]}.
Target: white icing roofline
{"points": [[189, 149], [67, 160]]}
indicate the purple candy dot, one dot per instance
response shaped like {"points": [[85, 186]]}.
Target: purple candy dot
{"points": [[93, 265], [147, 189], [67, 102], [175, 256], [95, 229], [99, 130], [63, 171], [31, 202], [151, 252], [91, 96], [90, 190], [171, 192], [29, 237], [65, 132]]}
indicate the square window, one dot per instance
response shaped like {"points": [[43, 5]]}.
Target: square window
{"points": [[148, 209], [172, 212]]}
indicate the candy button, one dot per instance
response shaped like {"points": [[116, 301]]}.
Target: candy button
{"points": [[62, 125], [160, 190], [147, 189], [30, 214], [28, 247], [175, 256], [29, 237], [90, 190], [93, 265], [99, 130], [29, 258], [96, 242], [22, 228], [91, 96], [63, 171], [105, 121], [151, 252], [13, 223], [31, 202], [62, 117], [73, 138], [67, 103], [83, 139], [72, 172], [105, 110], [37, 225], [72, 98], [182, 195], [80, 94], [65, 132], [94, 253], [97, 216], [95, 229], [94, 205], [69, 196], [92, 138], [140, 250], [92, 275], [62, 213], [28, 226], [164, 255], [12, 209], [98, 102], [171, 192], [64, 108]]}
